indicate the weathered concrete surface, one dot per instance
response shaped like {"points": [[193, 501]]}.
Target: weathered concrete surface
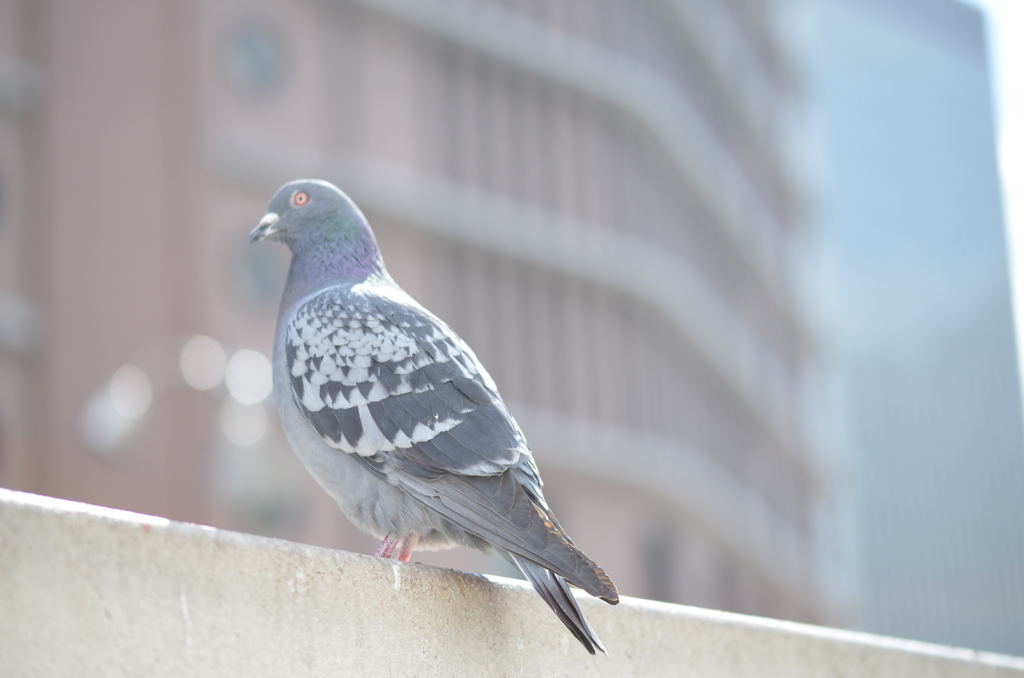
{"points": [[88, 591]]}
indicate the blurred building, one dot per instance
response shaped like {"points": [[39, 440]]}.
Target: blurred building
{"points": [[599, 196], [923, 319]]}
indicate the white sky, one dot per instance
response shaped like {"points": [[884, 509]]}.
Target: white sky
{"points": [[1006, 33]]}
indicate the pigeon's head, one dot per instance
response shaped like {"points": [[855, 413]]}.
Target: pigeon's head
{"points": [[327, 234], [313, 211]]}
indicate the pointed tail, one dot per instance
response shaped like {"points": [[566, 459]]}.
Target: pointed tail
{"points": [[555, 592]]}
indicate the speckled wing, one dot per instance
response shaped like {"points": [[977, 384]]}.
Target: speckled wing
{"points": [[374, 373], [379, 377]]}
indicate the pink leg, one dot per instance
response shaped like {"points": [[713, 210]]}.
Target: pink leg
{"points": [[407, 544], [387, 546]]}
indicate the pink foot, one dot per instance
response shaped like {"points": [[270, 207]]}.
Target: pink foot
{"points": [[405, 546], [387, 546]]}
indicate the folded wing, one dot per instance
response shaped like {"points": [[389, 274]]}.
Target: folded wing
{"points": [[381, 378]]}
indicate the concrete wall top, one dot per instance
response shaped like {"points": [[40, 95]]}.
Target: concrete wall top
{"points": [[86, 591]]}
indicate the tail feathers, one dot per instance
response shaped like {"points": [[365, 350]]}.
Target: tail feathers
{"points": [[555, 592], [586, 574]]}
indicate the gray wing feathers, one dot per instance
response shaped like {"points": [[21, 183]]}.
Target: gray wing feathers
{"points": [[375, 377], [499, 509]]}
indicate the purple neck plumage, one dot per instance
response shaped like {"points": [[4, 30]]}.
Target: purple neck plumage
{"points": [[322, 260]]}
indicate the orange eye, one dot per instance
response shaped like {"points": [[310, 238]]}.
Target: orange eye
{"points": [[300, 198]]}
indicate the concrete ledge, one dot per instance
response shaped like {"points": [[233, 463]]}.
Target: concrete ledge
{"points": [[93, 591]]}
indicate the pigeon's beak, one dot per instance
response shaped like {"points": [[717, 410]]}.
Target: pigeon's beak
{"points": [[266, 227]]}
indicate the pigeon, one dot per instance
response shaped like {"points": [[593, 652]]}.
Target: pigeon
{"points": [[394, 416]]}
